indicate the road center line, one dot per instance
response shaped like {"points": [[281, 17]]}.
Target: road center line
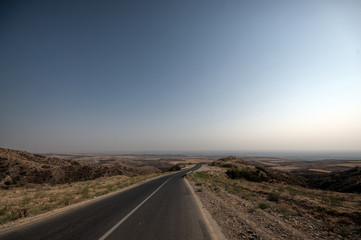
{"points": [[129, 214]]}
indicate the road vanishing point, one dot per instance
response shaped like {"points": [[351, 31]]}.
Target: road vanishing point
{"points": [[160, 209]]}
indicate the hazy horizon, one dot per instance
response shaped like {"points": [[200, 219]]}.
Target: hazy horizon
{"points": [[295, 155], [142, 76]]}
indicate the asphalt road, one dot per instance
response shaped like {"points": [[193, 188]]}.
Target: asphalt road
{"points": [[161, 209]]}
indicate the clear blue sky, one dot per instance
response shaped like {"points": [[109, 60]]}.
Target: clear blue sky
{"points": [[80, 76]]}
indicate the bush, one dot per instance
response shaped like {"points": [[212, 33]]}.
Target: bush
{"points": [[259, 174], [174, 168], [263, 205], [273, 197], [261, 169], [228, 165], [250, 175]]}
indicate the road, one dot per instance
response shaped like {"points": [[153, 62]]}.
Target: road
{"points": [[161, 209]]}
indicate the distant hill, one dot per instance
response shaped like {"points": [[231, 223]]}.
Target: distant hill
{"points": [[20, 168], [341, 181], [238, 168]]}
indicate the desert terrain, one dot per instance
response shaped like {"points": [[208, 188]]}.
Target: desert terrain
{"points": [[250, 197], [160, 161], [33, 184], [250, 201]]}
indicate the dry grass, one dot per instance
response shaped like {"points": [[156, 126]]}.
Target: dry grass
{"points": [[349, 164], [319, 170], [191, 160], [285, 168], [315, 212], [23, 202], [269, 164]]}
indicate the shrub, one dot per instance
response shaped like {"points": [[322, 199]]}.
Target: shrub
{"points": [[261, 169], [263, 205], [174, 168], [346, 230], [259, 174], [284, 210], [234, 189], [228, 165], [246, 174], [273, 197]]}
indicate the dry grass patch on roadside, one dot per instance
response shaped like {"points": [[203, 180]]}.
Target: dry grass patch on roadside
{"points": [[18, 203], [277, 207]]}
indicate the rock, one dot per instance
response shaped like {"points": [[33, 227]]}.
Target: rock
{"points": [[8, 180]]}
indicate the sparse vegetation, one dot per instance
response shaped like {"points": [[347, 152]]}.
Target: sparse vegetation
{"points": [[201, 175], [263, 205], [248, 174], [236, 196], [23, 202], [174, 168], [273, 197], [20, 169], [228, 165]]}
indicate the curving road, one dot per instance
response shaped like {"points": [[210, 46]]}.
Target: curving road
{"points": [[161, 209]]}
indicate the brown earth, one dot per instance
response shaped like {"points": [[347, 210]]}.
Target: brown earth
{"points": [[32, 184], [246, 209], [335, 175], [162, 162], [20, 168]]}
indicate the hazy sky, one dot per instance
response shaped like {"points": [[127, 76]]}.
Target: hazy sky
{"points": [[80, 76]]}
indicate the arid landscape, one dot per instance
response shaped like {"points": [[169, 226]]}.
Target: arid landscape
{"points": [[250, 198], [180, 120], [327, 174], [249, 201], [31, 184], [159, 161]]}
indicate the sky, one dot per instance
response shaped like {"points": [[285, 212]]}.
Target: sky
{"points": [[98, 76]]}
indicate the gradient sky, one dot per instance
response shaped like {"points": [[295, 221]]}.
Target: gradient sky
{"points": [[80, 76]]}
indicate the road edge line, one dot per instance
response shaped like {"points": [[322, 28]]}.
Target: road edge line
{"points": [[212, 226]]}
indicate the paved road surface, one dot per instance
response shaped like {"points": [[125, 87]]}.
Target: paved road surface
{"points": [[162, 209]]}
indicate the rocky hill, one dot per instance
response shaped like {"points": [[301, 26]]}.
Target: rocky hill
{"points": [[20, 168]]}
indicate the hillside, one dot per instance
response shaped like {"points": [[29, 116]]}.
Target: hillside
{"points": [[20, 168], [338, 180], [257, 203], [341, 181], [237, 168]]}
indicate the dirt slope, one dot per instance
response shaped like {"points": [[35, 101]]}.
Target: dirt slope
{"points": [[341, 181], [20, 168], [252, 209]]}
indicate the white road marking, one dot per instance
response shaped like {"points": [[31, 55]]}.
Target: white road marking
{"points": [[129, 214]]}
